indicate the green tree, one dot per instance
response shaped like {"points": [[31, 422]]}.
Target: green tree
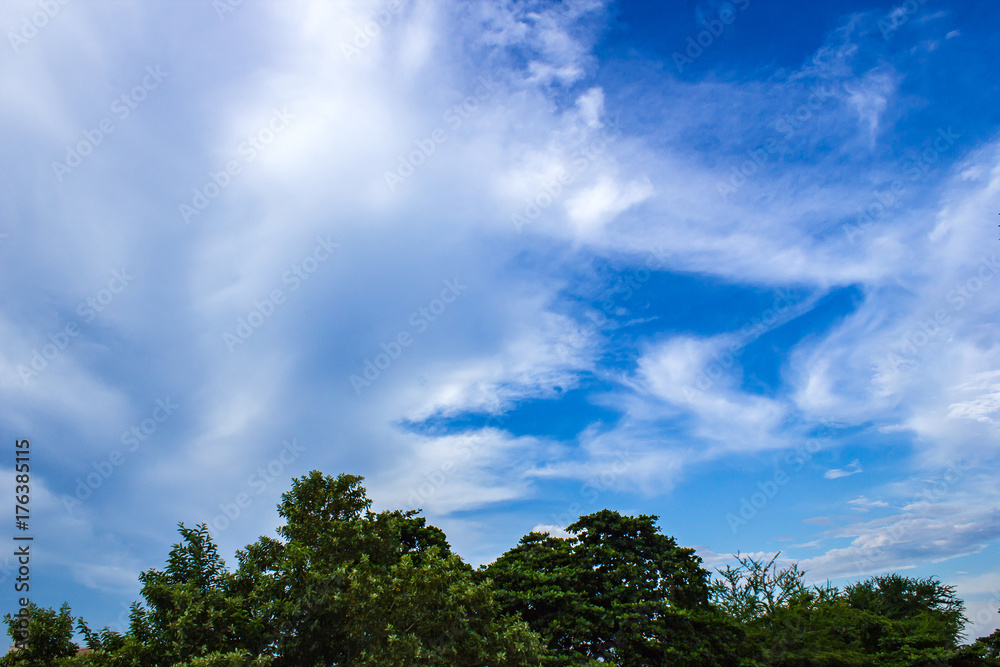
{"points": [[754, 588], [920, 619], [984, 652], [239, 658], [814, 627], [885, 620], [189, 608], [45, 635], [352, 587], [616, 592], [345, 586]]}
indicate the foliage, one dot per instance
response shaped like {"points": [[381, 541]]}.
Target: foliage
{"points": [[349, 586], [49, 635], [984, 652], [755, 588], [240, 658], [926, 611], [342, 585], [189, 612], [617, 592], [885, 620], [345, 586], [103, 640]]}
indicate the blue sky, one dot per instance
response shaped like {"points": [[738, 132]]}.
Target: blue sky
{"points": [[729, 263]]}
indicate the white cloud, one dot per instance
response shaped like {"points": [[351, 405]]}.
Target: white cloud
{"points": [[554, 531], [897, 543], [591, 105], [590, 209], [852, 468], [862, 503], [459, 472]]}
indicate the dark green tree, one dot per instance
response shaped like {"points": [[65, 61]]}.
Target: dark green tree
{"points": [[189, 609], [43, 634], [984, 652], [885, 620], [352, 587], [919, 619], [343, 585], [616, 592]]}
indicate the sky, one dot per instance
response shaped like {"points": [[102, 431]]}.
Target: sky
{"points": [[729, 263]]}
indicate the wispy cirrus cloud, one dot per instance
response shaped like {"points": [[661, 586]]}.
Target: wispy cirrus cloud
{"points": [[852, 468]]}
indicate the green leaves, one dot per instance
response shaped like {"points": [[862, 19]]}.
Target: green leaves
{"points": [[196, 560], [191, 608], [755, 588], [49, 635], [618, 591], [347, 586], [887, 620], [317, 504]]}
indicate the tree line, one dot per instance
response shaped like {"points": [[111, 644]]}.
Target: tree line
{"points": [[347, 586]]}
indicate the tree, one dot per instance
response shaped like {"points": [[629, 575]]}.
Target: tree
{"points": [[885, 620], [814, 627], [345, 586], [48, 636], [342, 585], [755, 588], [984, 652], [190, 610], [617, 592], [349, 586], [924, 618]]}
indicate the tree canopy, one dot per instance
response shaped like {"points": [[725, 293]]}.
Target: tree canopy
{"points": [[342, 585]]}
